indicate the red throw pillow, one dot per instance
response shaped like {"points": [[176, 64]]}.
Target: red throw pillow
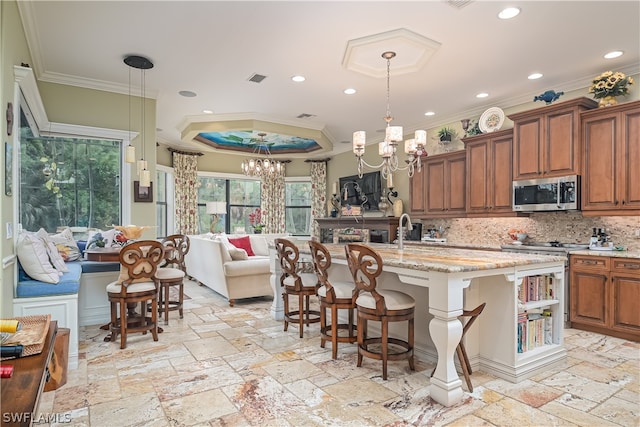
{"points": [[243, 243]]}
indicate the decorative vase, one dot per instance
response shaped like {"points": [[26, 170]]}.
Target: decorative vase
{"points": [[257, 231], [607, 101]]}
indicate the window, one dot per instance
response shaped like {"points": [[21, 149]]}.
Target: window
{"points": [[298, 207], [66, 181], [164, 204], [241, 195]]}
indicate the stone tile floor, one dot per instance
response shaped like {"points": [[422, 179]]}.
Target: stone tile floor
{"points": [[223, 366]]}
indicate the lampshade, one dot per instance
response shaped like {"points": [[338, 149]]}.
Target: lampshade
{"points": [[216, 207], [145, 178], [130, 154]]}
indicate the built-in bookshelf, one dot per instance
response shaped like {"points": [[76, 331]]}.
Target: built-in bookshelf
{"points": [[535, 318], [531, 318]]}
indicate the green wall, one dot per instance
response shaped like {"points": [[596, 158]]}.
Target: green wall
{"points": [[13, 51]]}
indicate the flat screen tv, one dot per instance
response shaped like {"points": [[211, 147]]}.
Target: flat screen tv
{"points": [[365, 191]]}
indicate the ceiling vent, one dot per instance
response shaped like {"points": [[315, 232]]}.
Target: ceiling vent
{"points": [[458, 4], [257, 78], [305, 116]]}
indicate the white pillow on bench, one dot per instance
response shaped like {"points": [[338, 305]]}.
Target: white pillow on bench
{"points": [[34, 258]]}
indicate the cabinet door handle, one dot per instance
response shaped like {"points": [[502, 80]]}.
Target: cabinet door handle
{"points": [[589, 262], [623, 201], [615, 202]]}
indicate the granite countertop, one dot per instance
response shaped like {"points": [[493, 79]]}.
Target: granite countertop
{"points": [[444, 259], [616, 254]]}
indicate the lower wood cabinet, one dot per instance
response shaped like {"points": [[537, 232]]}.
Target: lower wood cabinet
{"points": [[604, 295]]}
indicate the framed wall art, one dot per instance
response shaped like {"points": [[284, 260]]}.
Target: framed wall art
{"points": [[142, 194]]}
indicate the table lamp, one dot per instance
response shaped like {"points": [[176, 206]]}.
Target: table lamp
{"points": [[215, 209]]}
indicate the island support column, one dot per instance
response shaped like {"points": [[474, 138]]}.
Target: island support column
{"points": [[445, 303], [277, 307]]}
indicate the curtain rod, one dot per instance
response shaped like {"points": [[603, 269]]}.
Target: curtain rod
{"points": [[318, 160], [188, 153]]}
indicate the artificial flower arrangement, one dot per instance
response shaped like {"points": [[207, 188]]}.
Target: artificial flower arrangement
{"points": [[608, 85], [255, 219]]}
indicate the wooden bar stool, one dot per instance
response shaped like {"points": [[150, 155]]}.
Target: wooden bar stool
{"points": [[382, 305], [172, 273], [304, 285], [137, 284], [333, 296], [471, 316]]}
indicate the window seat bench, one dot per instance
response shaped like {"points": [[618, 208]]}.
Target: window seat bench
{"points": [[79, 299]]}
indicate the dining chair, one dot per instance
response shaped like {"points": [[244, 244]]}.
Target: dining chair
{"points": [[172, 273], [137, 284], [381, 305], [296, 283], [333, 296]]}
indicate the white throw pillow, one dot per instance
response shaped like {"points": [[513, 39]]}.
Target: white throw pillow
{"points": [[67, 245], [54, 256], [259, 245], [34, 258], [238, 254]]}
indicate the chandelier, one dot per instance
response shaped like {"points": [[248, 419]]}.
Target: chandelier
{"points": [[262, 167], [414, 148]]}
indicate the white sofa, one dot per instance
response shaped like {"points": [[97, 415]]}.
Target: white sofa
{"points": [[210, 263]]}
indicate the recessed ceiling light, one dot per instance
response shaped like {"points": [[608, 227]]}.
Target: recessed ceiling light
{"points": [[508, 13], [350, 91], [187, 93], [429, 113], [298, 79], [482, 95], [614, 54], [534, 76], [207, 111]]}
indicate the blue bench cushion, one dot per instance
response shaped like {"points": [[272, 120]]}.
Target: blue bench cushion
{"points": [[69, 283]]}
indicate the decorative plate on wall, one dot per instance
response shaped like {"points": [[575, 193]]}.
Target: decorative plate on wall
{"points": [[491, 120]]}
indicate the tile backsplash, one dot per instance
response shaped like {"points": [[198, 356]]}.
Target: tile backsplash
{"points": [[566, 227]]}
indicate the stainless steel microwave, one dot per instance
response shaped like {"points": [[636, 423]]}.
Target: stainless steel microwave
{"points": [[547, 194]]}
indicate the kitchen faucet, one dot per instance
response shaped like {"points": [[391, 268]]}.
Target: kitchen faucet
{"points": [[400, 232]]}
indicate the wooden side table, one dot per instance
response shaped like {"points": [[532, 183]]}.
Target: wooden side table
{"points": [[103, 254], [21, 393]]}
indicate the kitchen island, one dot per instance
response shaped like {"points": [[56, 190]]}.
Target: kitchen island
{"points": [[443, 281]]}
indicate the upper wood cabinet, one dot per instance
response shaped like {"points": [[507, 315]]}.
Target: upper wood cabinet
{"points": [[489, 174], [547, 140], [445, 185], [611, 178], [417, 192]]}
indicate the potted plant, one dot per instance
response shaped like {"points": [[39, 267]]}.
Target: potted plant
{"points": [[255, 218], [446, 134]]}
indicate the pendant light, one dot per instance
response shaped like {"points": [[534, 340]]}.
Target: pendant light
{"points": [[141, 63]]}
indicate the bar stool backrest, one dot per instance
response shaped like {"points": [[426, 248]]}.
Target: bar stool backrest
{"points": [[141, 260], [365, 265], [288, 255], [176, 248]]}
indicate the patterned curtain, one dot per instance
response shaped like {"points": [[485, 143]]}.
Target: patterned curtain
{"points": [[318, 195], [185, 168], [272, 202]]}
